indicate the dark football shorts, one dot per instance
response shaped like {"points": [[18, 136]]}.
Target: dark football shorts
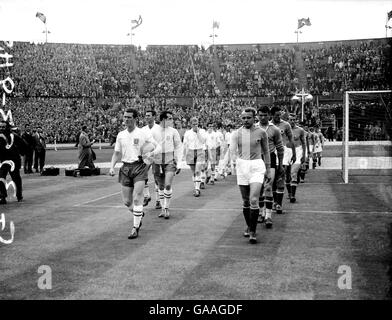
{"points": [[160, 169], [130, 173]]}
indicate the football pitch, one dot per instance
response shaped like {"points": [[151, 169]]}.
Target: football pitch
{"points": [[78, 228]]}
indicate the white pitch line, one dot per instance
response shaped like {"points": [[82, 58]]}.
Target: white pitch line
{"points": [[100, 198], [338, 183], [335, 211], [239, 210]]}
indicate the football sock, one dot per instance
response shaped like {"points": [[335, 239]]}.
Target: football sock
{"points": [[203, 177], [293, 189], [167, 195], [268, 207], [157, 198], [137, 215], [161, 195], [254, 215], [279, 197], [261, 203], [246, 212]]}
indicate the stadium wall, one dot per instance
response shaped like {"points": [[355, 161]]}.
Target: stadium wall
{"points": [[302, 45]]}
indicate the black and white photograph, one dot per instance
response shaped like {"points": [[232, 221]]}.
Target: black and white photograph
{"points": [[195, 151]]}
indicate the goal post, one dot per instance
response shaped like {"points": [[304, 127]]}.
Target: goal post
{"points": [[348, 99]]}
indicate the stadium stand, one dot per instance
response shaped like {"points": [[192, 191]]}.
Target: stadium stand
{"points": [[61, 86]]}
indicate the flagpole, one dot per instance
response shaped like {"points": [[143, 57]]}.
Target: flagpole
{"points": [[297, 32], [46, 33], [213, 35]]}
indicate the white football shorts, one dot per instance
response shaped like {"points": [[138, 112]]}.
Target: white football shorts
{"points": [[250, 171]]}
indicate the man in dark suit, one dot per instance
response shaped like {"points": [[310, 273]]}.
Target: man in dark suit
{"points": [[85, 151], [30, 142], [12, 146], [40, 150]]}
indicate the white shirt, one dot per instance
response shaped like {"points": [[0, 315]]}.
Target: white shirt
{"points": [[170, 142], [147, 128], [227, 137], [193, 140], [129, 143], [221, 139], [212, 140]]}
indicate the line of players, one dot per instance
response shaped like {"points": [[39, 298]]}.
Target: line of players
{"points": [[205, 151], [289, 145]]}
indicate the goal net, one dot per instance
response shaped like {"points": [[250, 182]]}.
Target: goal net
{"points": [[366, 134]]}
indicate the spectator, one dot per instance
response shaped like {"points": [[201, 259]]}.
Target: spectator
{"points": [[40, 150]]}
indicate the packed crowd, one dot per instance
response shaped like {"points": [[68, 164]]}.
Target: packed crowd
{"points": [[72, 70], [345, 67], [62, 86], [61, 119], [81, 70], [258, 73], [367, 120], [176, 71]]}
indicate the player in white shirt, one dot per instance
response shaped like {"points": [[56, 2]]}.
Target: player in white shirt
{"points": [[134, 172], [212, 143], [318, 146], [194, 145], [227, 164], [165, 163], [150, 118], [219, 151]]}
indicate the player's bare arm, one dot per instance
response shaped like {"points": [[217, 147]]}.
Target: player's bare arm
{"points": [[303, 144], [291, 143], [266, 152], [115, 158]]}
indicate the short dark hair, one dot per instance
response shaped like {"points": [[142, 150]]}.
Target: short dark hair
{"points": [[264, 109], [164, 114], [133, 111], [275, 109], [84, 127], [153, 112]]}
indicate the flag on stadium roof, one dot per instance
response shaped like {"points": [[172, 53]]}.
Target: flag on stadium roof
{"points": [[303, 22], [137, 22], [389, 15], [41, 16], [215, 24]]}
